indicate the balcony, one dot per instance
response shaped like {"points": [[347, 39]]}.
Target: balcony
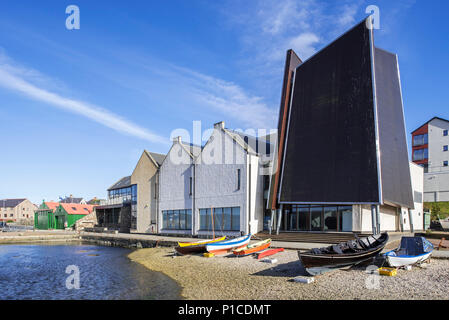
{"points": [[126, 199]]}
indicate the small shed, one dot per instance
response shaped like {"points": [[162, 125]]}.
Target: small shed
{"points": [[68, 213], [44, 216]]}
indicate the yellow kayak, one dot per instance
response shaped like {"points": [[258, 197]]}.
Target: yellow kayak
{"points": [[187, 244]]}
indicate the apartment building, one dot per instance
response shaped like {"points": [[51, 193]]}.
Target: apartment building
{"points": [[430, 150], [17, 210]]}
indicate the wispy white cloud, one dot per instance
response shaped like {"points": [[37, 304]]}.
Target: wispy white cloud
{"points": [[20, 80], [225, 97]]}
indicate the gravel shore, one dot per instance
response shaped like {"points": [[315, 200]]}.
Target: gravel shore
{"points": [[228, 278]]}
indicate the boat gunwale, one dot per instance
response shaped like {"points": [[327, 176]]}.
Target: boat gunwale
{"points": [[229, 242]]}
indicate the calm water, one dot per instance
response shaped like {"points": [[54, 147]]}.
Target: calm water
{"points": [[39, 272]]}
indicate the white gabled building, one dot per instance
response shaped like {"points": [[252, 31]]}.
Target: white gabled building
{"points": [[176, 175], [222, 179]]}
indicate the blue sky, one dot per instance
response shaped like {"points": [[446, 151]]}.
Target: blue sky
{"points": [[77, 107]]}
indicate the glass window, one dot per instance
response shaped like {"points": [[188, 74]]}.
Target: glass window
{"points": [[315, 213], [235, 218], [227, 219], [420, 154], [218, 218], [292, 219], [171, 223], [303, 218], [445, 163], [445, 148], [330, 218], [188, 219], [164, 220], [238, 179], [345, 218], [175, 219], [203, 219], [420, 139], [182, 219], [445, 133]]}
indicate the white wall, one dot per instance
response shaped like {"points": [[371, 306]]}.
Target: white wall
{"points": [[174, 186], [436, 143], [417, 176], [256, 208], [216, 178]]}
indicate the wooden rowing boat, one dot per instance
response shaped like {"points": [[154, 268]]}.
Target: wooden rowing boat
{"points": [[252, 248], [413, 250], [224, 246], [319, 260], [187, 244]]}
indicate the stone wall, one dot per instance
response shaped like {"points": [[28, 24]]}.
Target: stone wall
{"points": [[89, 221]]}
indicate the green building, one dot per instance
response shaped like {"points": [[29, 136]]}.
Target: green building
{"points": [[66, 214], [44, 216]]}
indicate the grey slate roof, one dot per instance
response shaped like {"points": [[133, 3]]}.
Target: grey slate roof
{"points": [[122, 183], [430, 121], [194, 149], [10, 203], [252, 144], [71, 200], [158, 157]]}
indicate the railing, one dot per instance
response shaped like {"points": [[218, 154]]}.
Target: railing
{"points": [[115, 201]]}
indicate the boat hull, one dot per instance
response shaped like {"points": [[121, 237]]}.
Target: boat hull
{"points": [[401, 261], [225, 246], [317, 261], [200, 248], [202, 242], [269, 252], [255, 249], [315, 265]]}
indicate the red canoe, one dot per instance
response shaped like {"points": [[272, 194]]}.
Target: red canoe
{"points": [[269, 253], [252, 248]]}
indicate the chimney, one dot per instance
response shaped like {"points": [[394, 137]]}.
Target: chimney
{"points": [[219, 125], [177, 139]]}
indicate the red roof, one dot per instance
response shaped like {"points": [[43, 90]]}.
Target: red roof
{"points": [[52, 205], [75, 208]]}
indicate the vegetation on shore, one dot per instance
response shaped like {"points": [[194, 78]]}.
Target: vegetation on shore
{"points": [[437, 209]]}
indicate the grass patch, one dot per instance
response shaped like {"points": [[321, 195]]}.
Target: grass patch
{"points": [[440, 209]]}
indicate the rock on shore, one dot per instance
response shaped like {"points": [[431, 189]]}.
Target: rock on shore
{"points": [[229, 277]]}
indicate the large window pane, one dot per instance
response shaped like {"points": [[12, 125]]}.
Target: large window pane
{"points": [[182, 219], [330, 218], [236, 219], [227, 219], [304, 218], [315, 213], [292, 219], [189, 219], [218, 213], [164, 220], [176, 219], [345, 218], [203, 219]]}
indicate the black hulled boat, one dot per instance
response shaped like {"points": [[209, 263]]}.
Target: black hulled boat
{"points": [[319, 260]]}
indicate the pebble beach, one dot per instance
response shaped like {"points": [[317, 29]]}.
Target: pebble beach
{"points": [[229, 278]]}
